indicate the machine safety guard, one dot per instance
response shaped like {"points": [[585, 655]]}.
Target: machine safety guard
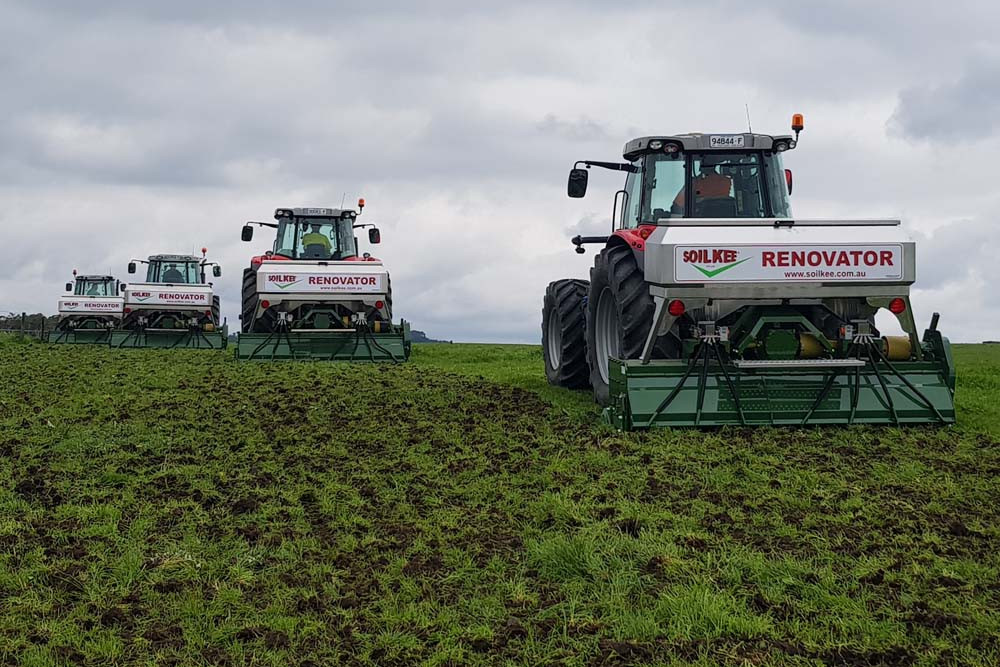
{"points": [[359, 343], [81, 336], [193, 337]]}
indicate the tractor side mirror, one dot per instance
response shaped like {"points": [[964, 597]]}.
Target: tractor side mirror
{"points": [[247, 234], [69, 287], [131, 267], [576, 187], [217, 271], [788, 180], [374, 235]]}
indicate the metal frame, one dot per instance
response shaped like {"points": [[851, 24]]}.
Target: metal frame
{"points": [[337, 340], [191, 337]]}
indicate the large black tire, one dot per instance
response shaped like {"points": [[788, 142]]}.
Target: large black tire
{"points": [[249, 300], [563, 343], [617, 272]]}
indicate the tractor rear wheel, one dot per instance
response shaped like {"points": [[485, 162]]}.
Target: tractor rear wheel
{"points": [[619, 316], [249, 300], [563, 342]]}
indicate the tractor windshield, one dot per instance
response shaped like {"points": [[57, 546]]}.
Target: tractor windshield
{"points": [[315, 238], [94, 288], [173, 272], [723, 185]]}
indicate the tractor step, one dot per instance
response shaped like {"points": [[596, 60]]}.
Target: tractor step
{"points": [[752, 364], [326, 345]]}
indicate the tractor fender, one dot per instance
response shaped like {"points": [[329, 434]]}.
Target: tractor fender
{"points": [[635, 239], [255, 261]]}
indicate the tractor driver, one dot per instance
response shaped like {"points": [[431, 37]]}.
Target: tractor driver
{"points": [[172, 275], [92, 289], [314, 237], [709, 184]]}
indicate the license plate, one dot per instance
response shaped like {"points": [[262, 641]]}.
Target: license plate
{"points": [[725, 141]]}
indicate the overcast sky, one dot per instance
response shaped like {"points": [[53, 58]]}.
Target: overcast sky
{"points": [[154, 127]]}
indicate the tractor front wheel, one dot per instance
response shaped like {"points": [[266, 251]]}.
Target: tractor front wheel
{"points": [[563, 343]]}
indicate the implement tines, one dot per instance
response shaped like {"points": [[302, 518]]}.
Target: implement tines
{"points": [[701, 357]]}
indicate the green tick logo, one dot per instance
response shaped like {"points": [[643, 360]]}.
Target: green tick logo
{"points": [[711, 273], [283, 282]]}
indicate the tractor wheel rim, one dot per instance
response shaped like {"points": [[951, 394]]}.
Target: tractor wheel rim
{"points": [[554, 339], [607, 337]]}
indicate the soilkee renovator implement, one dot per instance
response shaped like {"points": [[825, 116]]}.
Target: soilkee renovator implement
{"points": [[710, 304], [90, 312], [174, 308], [314, 297]]}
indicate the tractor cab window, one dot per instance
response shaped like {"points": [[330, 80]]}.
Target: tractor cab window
{"points": [[777, 187], [727, 185], [632, 204], [663, 183], [94, 288], [315, 238], [722, 185], [177, 272]]}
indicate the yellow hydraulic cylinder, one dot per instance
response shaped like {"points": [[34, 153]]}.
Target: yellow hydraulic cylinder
{"points": [[897, 348], [809, 346]]}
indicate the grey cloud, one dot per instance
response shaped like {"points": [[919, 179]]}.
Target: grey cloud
{"points": [[956, 253], [589, 225], [140, 127], [965, 109], [581, 129], [168, 104]]}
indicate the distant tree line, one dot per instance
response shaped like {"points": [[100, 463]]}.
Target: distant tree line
{"points": [[420, 337]]}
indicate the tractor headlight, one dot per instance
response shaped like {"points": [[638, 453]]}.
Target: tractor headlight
{"points": [[655, 145]]}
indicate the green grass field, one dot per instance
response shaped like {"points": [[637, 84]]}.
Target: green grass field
{"points": [[175, 507]]}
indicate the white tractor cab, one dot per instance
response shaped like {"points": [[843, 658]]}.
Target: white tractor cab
{"points": [[91, 308], [176, 297]]}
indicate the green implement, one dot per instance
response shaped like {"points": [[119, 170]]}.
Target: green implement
{"points": [[82, 336], [360, 344], [709, 390], [192, 338]]}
